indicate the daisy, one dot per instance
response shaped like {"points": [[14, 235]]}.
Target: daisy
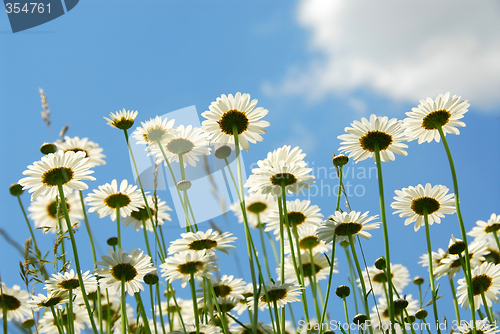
{"points": [[228, 286], [14, 302], [422, 122], [183, 265], [226, 304], [491, 245], [414, 202], [69, 281], [309, 241], [482, 326], [243, 303], [485, 278], [154, 130], [108, 198], [44, 212], [234, 113], [186, 141], [399, 273], [282, 167], [258, 206], [282, 294], [246, 328], [450, 264], [119, 265], [91, 149], [344, 224], [122, 119], [321, 268], [67, 169], [80, 321], [200, 241], [437, 258], [301, 214], [53, 299], [485, 228], [158, 212], [362, 139], [384, 321], [204, 329]]}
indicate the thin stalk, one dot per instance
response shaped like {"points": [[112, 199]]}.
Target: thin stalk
{"points": [[70, 311], [496, 239], [87, 226], [361, 279], [347, 321], [4, 315], [273, 246], [261, 232], [386, 235], [328, 289], [340, 192], [223, 320], [352, 273], [61, 231], [282, 241], [455, 302], [118, 227], [314, 284], [158, 298], [144, 317], [247, 229], [179, 311], [146, 237], [28, 223], [277, 317], [195, 303], [77, 260], [148, 210], [153, 313], [486, 308], [54, 316], [431, 270], [184, 192], [462, 226], [123, 306]]}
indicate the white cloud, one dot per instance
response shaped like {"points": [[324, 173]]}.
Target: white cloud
{"points": [[406, 50]]}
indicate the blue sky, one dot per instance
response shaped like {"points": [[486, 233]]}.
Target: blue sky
{"points": [[157, 57]]}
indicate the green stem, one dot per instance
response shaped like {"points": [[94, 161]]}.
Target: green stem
{"points": [[77, 260], [339, 194], [328, 289], [148, 210], [454, 295], [184, 192], [247, 229], [179, 310], [140, 307], [157, 286], [431, 270], [352, 273], [146, 237], [486, 308], [386, 235], [87, 226], [123, 307], [462, 225], [364, 298], [70, 311], [118, 227], [54, 316], [346, 315], [282, 241], [264, 251], [153, 313], [214, 296], [277, 317], [29, 224], [195, 303], [314, 284], [496, 239], [4, 315]]}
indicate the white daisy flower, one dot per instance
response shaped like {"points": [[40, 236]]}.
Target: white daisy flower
{"points": [[122, 119], [15, 302], [450, 264], [136, 217], [381, 325], [228, 286], [343, 224], [91, 149], [301, 214], [188, 141], [485, 278], [131, 267], [482, 326], [413, 202], [361, 140], [282, 294], [44, 212], [490, 243], [282, 167], [80, 321], [308, 241], [321, 268], [69, 281], [400, 278], [243, 303], [109, 197], [230, 113], [258, 206], [154, 130], [208, 241], [485, 228], [422, 122], [54, 299], [437, 258], [68, 169], [182, 265], [226, 304], [290, 327]]}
